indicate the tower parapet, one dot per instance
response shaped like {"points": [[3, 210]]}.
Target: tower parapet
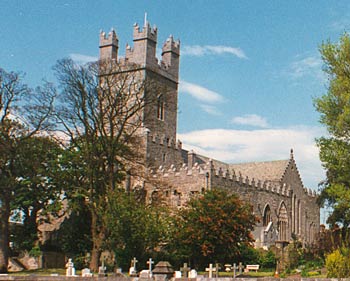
{"points": [[145, 43], [171, 56], [108, 45]]}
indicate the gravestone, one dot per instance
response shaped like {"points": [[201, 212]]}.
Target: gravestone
{"points": [[210, 269], [132, 269], [150, 262], [70, 271], [102, 269], [144, 274], [192, 274], [184, 270], [86, 272], [217, 269]]}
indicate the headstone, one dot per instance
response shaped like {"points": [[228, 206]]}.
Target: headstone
{"points": [[217, 269], [70, 271], [132, 270], [240, 267], [178, 274], [228, 267], [150, 262], [102, 270], [86, 272], [193, 274], [144, 274], [184, 270], [210, 269]]}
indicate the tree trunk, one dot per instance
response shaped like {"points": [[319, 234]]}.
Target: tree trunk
{"points": [[4, 235], [96, 243]]}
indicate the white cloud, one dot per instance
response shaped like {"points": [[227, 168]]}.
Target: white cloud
{"points": [[310, 66], [212, 110], [200, 93], [199, 51], [251, 120], [79, 58], [235, 146]]}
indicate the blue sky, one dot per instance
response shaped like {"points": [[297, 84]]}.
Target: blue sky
{"points": [[249, 69]]}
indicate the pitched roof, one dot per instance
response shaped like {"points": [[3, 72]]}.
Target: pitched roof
{"points": [[265, 171]]}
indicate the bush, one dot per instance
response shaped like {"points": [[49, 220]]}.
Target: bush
{"points": [[338, 263]]}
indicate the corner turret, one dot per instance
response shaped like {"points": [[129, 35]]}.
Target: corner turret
{"points": [[171, 56], [108, 45], [145, 42]]}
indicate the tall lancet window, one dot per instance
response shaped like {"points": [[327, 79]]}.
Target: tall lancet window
{"points": [[267, 215], [160, 107]]}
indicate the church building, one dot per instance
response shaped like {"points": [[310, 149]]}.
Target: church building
{"points": [[274, 188]]}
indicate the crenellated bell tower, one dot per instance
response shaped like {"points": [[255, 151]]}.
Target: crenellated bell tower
{"points": [[160, 114]]}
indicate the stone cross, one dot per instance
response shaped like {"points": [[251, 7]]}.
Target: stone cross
{"points": [[134, 262], [150, 262], [210, 269], [184, 270], [234, 268], [217, 269], [240, 267]]}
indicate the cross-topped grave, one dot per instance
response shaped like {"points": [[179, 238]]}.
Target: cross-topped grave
{"points": [[240, 268], [217, 269], [184, 270], [150, 262], [132, 270], [210, 269]]}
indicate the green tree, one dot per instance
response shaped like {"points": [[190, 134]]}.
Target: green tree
{"points": [[213, 227], [23, 114], [100, 111], [334, 107], [37, 197], [135, 228]]}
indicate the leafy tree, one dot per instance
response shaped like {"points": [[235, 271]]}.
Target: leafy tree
{"points": [[76, 244], [213, 228], [100, 111], [23, 114], [37, 196], [334, 107], [135, 228]]}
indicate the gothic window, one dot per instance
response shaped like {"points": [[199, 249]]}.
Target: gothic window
{"points": [[267, 215], [282, 222], [160, 107]]}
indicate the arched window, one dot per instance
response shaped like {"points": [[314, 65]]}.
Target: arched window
{"points": [[267, 215], [160, 107], [282, 222]]}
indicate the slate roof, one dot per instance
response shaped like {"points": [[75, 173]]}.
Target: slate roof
{"points": [[265, 171]]}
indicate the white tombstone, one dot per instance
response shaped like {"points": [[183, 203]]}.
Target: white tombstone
{"points": [[192, 274], [178, 274], [132, 270], [144, 273], [70, 271], [86, 272]]}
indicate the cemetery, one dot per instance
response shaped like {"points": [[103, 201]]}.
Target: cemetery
{"points": [[122, 199]]}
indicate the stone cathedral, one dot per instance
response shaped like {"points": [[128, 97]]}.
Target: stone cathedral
{"points": [[274, 188]]}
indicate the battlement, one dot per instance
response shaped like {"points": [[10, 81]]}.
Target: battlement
{"points": [[171, 46], [108, 40], [147, 32], [223, 178], [164, 141], [108, 45]]}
